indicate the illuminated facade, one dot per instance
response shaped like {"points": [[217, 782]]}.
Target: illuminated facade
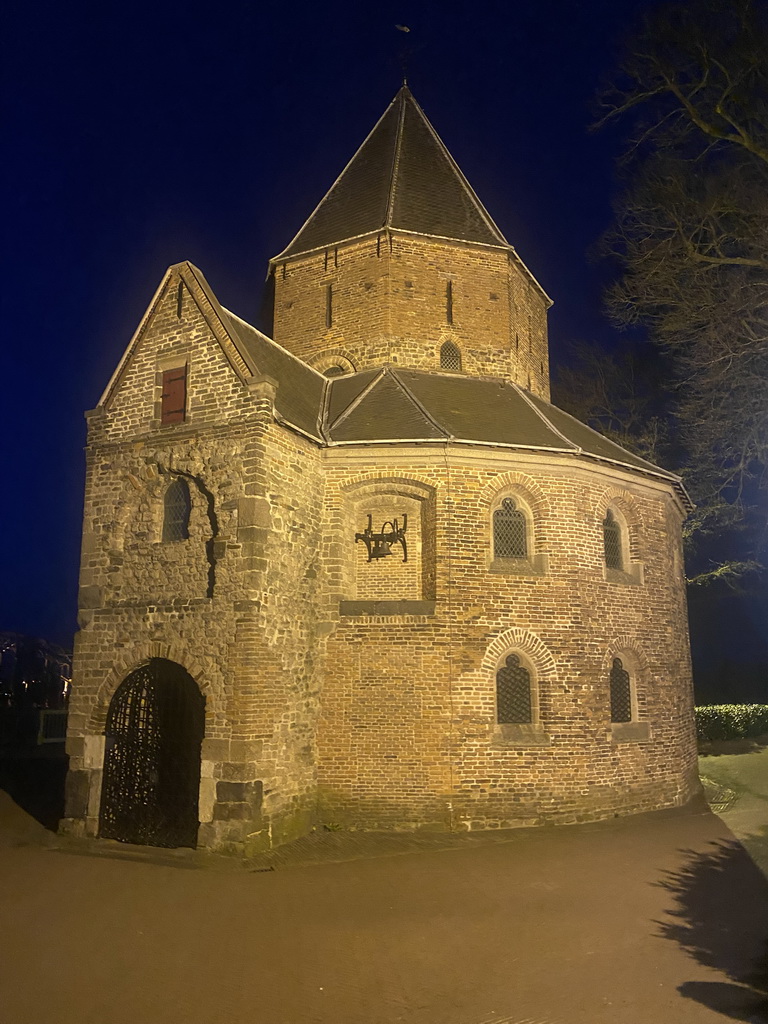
{"points": [[363, 572]]}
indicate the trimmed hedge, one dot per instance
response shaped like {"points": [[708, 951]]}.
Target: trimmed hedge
{"points": [[731, 721]]}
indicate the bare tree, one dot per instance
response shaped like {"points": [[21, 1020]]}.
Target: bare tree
{"points": [[691, 234]]}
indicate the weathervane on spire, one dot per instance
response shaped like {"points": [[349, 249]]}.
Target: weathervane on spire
{"points": [[405, 53]]}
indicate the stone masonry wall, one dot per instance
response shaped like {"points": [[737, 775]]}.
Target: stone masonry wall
{"points": [[389, 306], [320, 709], [234, 604], [408, 734]]}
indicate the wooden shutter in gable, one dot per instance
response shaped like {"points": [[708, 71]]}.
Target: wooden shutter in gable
{"points": [[174, 395]]}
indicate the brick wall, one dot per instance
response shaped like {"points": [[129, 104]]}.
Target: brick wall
{"points": [[408, 730], [389, 306]]}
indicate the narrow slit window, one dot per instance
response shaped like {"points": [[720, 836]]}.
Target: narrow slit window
{"points": [[450, 357], [174, 396], [509, 531], [513, 693], [612, 541], [449, 302], [177, 507], [621, 693], [329, 305]]}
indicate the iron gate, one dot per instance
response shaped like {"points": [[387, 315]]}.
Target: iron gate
{"points": [[155, 728]]}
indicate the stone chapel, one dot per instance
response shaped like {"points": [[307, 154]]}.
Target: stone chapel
{"points": [[363, 573]]}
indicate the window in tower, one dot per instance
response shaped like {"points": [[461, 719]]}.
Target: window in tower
{"points": [[450, 357], [449, 302], [329, 305]]}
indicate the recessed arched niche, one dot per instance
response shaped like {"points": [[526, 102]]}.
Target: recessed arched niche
{"points": [[383, 509]]}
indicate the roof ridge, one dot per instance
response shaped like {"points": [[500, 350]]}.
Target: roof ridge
{"points": [[659, 470], [396, 156], [478, 203], [357, 399], [337, 180], [419, 405], [524, 395], [272, 341]]}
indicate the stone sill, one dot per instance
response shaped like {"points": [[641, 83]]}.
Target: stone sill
{"points": [[630, 732], [632, 577], [510, 734], [537, 565], [386, 607]]}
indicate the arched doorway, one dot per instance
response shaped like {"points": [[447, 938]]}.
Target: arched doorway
{"points": [[155, 729]]}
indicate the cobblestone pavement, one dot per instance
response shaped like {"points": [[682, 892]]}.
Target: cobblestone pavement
{"points": [[654, 919]]}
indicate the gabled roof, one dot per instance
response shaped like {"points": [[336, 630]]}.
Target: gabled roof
{"points": [[402, 177]]}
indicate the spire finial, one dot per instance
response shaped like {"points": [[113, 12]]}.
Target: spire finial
{"points": [[405, 53]]}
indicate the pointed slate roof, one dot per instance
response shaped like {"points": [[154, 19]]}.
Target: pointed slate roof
{"points": [[401, 177]]}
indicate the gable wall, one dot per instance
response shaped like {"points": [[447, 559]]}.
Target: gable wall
{"points": [[215, 393]]}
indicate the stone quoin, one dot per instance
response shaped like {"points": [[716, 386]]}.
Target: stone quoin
{"points": [[243, 672]]}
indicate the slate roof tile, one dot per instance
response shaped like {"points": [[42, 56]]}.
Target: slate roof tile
{"points": [[401, 177]]}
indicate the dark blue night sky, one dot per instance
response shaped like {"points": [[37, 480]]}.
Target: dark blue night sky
{"points": [[140, 135]]}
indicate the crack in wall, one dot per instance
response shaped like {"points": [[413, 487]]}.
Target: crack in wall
{"points": [[210, 502]]}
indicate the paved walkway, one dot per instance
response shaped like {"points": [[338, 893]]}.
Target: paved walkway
{"points": [[654, 919], [740, 781]]}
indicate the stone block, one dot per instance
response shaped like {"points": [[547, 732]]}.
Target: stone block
{"points": [[246, 750], [94, 796], [207, 799], [215, 749], [93, 751], [253, 512], [75, 746], [229, 792], [232, 812], [76, 789], [91, 597]]}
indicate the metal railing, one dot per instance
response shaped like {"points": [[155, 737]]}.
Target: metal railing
{"points": [[52, 727]]}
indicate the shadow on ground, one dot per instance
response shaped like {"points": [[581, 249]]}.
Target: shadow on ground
{"points": [[720, 918], [36, 784], [716, 748]]}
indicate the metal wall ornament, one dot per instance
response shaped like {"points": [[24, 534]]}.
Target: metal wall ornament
{"points": [[380, 544]]}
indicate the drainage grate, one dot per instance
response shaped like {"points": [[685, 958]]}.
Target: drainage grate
{"points": [[495, 1019], [719, 798]]}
